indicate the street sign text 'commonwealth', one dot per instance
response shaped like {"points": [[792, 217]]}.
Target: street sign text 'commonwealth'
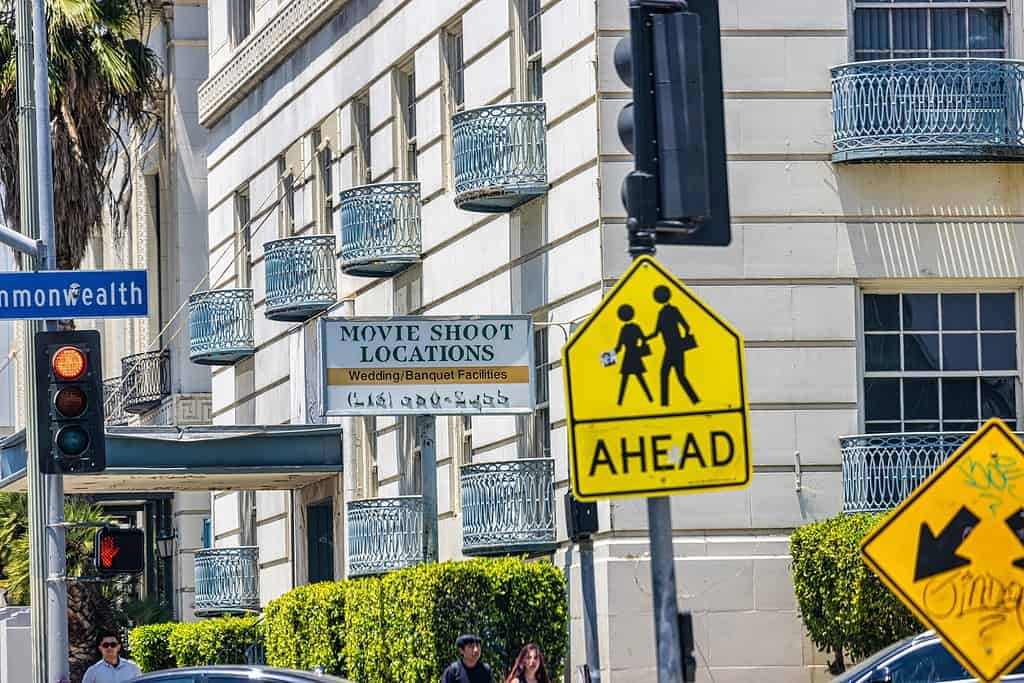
{"points": [[425, 365], [66, 294]]}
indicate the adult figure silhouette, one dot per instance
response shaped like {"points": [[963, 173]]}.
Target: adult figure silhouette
{"points": [[670, 320], [634, 347]]}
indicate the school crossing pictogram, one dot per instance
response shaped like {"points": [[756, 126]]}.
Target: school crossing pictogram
{"points": [[656, 393]]}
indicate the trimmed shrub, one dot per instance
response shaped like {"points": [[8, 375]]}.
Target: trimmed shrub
{"points": [[364, 632], [846, 609], [214, 641], [150, 647], [305, 628]]}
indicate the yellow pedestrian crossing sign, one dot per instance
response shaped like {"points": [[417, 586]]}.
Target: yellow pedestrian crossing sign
{"points": [[952, 552], [655, 393]]}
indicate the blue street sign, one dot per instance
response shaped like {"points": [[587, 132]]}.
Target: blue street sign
{"points": [[61, 294]]}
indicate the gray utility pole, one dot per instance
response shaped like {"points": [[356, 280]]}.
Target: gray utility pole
{"points": [[425, 427], [586, 547], [47, 561]]}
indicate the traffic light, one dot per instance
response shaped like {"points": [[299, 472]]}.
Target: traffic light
{"points": [[675, 125], [69, 393], [119, 551]]}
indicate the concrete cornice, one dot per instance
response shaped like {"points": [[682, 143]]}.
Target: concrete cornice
{"points": [[260, 52]]}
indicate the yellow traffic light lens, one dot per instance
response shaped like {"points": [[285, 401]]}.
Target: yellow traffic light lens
{"points": [[69, 362], [70, 401]]}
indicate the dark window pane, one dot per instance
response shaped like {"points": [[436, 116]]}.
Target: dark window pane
{"points": [[910, 29], [959, 352], [948, 30], [881, 312], [882, 399], [998, 397], [883, 352], [986, 28], [882, 427], [871, 29], [959, 426], [920, 352], [959, 399], [997, 312], [921, 427], [920, 399], [1012, 424], [921, 312], [958, 312], [998, 352]]}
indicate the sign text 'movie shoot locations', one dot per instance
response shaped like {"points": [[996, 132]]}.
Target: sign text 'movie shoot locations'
{"points": [[427, 365], [63, 294]]}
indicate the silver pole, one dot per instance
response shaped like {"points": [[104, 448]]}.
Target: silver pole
{"points": [[586, 547], [663, 587], [29, 209], [425, 427], [348, 455], [56, 549]]}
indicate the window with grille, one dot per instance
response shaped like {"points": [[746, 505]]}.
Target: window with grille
{"points": [[530, 13], [286, 197], [243, 238], [889, 29], [939, 361], [361, 138], [455, 68], [324, 182], [541, 431], [242, 19], [406, 81]]}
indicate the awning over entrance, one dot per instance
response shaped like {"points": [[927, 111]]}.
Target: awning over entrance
{"points": [[202, 458]]}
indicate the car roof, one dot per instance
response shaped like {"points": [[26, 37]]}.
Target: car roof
{"points": [[250, 672]]}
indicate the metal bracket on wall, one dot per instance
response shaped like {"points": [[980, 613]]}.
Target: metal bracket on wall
{"points": [[797, 473]]}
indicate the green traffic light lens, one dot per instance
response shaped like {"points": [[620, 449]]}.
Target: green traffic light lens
{"points": [[72, 440]]}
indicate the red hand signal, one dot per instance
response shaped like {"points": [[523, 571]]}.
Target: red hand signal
{"points": [[108, 551]]}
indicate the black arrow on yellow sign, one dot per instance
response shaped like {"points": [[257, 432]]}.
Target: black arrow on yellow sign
{"points": [[937, 554], [1016, 524]]}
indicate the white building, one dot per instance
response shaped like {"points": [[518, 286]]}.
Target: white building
{"points": [[456, 157]]}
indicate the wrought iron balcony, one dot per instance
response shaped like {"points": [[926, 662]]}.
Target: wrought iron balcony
{"points": [[881, 470], [508, 507], [145, 380], [500, 156], [384, 534], [928, 110], [300, 277], [227, 581], [220, 326], [113, 403], [380, 228]]}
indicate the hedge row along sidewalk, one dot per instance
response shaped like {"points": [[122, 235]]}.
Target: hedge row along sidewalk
{"points": [[846, 609], [400, 628]]}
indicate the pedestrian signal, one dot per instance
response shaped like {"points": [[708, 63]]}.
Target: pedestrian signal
{"points": [[69, 402], [119, 551]]}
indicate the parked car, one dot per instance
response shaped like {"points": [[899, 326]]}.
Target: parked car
{"points": [[236, 674], [919, 659]]}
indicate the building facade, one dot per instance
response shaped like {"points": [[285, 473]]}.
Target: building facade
{"points": [[457, 157]]}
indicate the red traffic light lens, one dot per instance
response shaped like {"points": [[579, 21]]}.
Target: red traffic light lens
{"points": [[69, 362], [70, 401]]}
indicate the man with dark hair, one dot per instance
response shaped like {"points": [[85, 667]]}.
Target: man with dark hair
{"points": [[112, 668], [468, 668]]}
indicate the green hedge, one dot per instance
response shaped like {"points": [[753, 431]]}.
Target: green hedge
{"points": [[150, 646], [306, 628], [214, 641], [845, 608]]}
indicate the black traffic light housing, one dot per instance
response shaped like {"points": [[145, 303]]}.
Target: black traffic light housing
{"points": [[678, 192], [580, 518], [119, 551], [69, 402]]}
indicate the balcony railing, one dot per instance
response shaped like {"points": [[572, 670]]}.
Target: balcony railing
{"points": [[384, 534], [928, 109], [881, 470], [500, 156], [113, 403], [220, 326], [508, 507], [300, 277], [380, 228], [227, 581], [145, 380]]}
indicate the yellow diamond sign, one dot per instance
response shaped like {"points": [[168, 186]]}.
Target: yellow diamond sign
{"points": [[953, 552], [655, 393]]}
